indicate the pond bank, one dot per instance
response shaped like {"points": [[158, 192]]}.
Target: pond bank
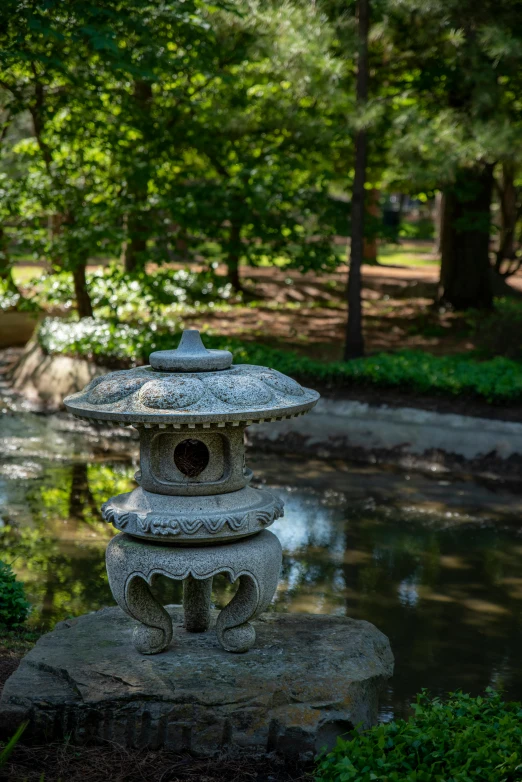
{"points": [[368, 432]]}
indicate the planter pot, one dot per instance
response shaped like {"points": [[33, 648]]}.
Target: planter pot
{"points": [[16, 328]]}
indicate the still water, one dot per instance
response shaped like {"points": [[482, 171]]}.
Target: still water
{"points": [[435, 564]]}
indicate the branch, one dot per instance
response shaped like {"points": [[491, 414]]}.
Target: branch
{"points": [[36, 112], [5, 126], [220, 168]]}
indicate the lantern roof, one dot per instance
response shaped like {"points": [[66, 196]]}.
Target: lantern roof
{"points": [[192, 386]]}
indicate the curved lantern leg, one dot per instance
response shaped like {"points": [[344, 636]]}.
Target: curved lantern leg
{"points": [[197, 594], [255, 561], [154, 633], [132, 593], [233, 629], [255, 592]]}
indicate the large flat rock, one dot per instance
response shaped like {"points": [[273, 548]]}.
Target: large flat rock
{"points": [[308, 679]]}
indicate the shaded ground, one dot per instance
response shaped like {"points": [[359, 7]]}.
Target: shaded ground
{"points": [[307, 312], [68, 763]]}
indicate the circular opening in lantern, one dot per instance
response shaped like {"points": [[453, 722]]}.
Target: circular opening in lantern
{"points": [[191, 457]]}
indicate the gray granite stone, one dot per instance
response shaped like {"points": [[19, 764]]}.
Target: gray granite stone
{"points": [[177, 394], [309, 679], [193, 520], [254, 562], [190, 356]]}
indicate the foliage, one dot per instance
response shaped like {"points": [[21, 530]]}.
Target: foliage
{"points": [[5, 753], [147, 131], [160, 132], [462, 739], [266, 143], [420, 229], [497, 381], [12, 299], [499, 333], [14, 606], [132, 295]]}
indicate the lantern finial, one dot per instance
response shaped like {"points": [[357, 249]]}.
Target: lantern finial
{"points": [[191, 355]]}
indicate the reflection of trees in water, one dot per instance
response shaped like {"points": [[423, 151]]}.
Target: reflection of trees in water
{"points": [[82, 505], [450, 599], [442, 598], [60, 553], [446, 596]]}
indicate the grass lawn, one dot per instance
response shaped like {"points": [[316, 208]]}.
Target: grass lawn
{"points": [[410, 254]]}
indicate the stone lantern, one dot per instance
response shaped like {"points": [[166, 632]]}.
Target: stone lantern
{"points": [[194, 513]]}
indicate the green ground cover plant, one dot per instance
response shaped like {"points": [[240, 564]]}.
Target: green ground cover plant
{"points": [[14, 606], [136, 295], [463, 739], [497, 381]]}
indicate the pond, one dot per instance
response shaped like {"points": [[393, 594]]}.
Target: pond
{"points": [[435, 564]]}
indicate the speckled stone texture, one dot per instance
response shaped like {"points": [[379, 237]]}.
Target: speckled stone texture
{"points": [[244, 393], [308, 679], [190, 356], [193, 520], [254, 562]]}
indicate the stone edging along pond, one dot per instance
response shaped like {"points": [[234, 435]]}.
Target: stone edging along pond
{"points": [[336, 428]]}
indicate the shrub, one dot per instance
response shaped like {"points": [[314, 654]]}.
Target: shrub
{"points": [[14, 606], [134, 295], [12, 299], [499, 333], [498, 380], [461, 740], [423, 228]]}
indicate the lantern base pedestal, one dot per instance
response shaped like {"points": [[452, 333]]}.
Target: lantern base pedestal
{"points": [[308, 679], [132, 565]]}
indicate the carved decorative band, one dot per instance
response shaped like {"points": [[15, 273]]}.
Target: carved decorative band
{"points": [[156, 524]]}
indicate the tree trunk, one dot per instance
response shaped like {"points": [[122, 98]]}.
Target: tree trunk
{"points": [[234, 257], [509, 214], [6, 272], [354, 345], [373, 210], [83, 300], [135, 246], [465, 272], [138, 220], [439, 220]]}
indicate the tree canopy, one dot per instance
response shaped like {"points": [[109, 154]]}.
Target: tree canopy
{"points": [[154, 132]]}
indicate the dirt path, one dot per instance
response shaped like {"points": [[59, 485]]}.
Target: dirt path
{"points": [[307, 312]]}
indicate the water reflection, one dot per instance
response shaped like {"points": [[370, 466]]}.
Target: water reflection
{"points": [[436, 566]]}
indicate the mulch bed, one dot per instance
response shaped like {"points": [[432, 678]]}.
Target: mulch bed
{"points": [[67, 763]]}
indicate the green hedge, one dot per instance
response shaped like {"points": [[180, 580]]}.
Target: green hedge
{"points": [[498, 380], [462, 740]]}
